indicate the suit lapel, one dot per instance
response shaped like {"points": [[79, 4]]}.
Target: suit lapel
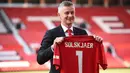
{"points": [[75, 31], [61, 32]]}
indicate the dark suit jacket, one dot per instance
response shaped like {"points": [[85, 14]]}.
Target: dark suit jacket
{"points": [[45, 53]]}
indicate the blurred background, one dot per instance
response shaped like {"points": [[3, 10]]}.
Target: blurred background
{"points": [[23, 24]]}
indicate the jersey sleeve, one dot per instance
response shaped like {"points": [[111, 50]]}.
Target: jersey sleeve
{"points": [[102, 57], [56, 57]]}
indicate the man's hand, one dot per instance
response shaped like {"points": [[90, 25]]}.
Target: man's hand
{"points": [[58, 40], [97, 38]]}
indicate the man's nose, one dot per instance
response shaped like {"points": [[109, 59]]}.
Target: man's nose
{"points": [[70, 15]]}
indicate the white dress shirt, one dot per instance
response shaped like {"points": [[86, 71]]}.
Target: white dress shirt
{"points": [[65, 29]]}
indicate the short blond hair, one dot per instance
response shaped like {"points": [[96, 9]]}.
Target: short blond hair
{"points": [[65, 3]]}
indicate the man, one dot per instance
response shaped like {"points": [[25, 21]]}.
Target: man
{"points": [[66, 13]]}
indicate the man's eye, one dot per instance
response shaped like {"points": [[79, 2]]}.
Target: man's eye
{"points": [[67, 13], [72, 12]]}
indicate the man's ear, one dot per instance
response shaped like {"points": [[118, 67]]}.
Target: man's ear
{"points": [[58, 14]]}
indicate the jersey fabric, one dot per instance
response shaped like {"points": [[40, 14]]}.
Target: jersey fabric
{"points": [[79, 54]]}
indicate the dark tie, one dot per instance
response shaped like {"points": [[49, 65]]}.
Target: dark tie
{"points": [[69, 31]]}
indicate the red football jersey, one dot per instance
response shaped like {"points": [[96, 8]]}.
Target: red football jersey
{"points": [[79, 54]]}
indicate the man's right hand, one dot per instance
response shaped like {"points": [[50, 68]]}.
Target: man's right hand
{"points": [[58, 40]]}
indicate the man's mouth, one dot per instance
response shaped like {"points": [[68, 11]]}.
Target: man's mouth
{"points": [[70, 19]]}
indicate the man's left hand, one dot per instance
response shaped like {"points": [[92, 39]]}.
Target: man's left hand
{"points": [[98, 38]]}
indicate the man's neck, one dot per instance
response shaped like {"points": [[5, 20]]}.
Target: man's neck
{"points": [[67, 25]]}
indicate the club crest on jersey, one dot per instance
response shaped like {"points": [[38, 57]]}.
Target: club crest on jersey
{"points": [[79, 45]]}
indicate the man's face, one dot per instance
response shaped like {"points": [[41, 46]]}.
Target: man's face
{"points": [[67, 15]]}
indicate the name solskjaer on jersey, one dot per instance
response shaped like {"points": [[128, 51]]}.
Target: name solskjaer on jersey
{"points": [[79, 44]]}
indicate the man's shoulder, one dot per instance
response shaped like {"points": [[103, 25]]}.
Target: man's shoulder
{"points": [[54, 29], [79, 29]]}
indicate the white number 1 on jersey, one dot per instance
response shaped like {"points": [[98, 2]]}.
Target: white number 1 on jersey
{"points": [[80, 58]]}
